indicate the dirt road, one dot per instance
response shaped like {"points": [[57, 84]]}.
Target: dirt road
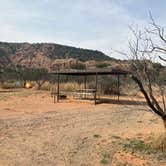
{"points": [[36, 132]]}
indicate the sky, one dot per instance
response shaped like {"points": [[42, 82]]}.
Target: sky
{"points": [[94, 24]]}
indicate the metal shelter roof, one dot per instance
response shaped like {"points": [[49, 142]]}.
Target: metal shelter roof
{"points": [[91, 72]]}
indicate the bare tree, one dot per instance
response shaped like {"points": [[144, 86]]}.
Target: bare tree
{"points": [[40, 76], [148, 45]]}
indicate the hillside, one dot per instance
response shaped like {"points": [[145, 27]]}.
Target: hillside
{"points": [[45, 54]]}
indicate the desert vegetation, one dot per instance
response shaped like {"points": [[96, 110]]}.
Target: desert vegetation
{"points": [[35, 130], [44, 55], [146, 74]]}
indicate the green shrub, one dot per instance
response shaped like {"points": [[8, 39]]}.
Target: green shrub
{"points": [[138, 146], [102, 65], [78, 66]]}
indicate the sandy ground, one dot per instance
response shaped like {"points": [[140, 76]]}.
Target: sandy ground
{"points": [[36, 132]]}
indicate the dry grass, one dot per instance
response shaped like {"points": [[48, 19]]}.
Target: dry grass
{"points": [[46, 86], [159, 141], [21, 92], [8, 85], [69, 86]]}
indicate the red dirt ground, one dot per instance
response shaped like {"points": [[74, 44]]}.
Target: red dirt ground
{"points": [[35, 131]]}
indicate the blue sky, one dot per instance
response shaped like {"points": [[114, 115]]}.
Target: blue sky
{"points": [[94, 24]]}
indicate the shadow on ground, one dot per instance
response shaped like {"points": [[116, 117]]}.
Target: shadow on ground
{"points": [[121, 102]]}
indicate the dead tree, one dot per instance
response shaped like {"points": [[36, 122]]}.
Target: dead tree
{"points": [[143, 51]]}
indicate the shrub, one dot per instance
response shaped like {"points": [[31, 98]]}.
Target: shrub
{"points": [[78, 66], [102, 65], [70, 86], [46, 86], [7, 85], [137, 146], [108, 85]]}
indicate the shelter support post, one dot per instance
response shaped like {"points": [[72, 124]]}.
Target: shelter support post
{"points": [[58, 87], [85, 81], [95, 96], [118, 84], [54, 95]]}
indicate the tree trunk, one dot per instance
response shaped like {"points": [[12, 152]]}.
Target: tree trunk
{"points": [[39, 86], [164, 121], [40, 83], [150, 103]]}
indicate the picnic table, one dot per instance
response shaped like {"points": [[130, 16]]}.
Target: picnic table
{"points": [[80, 93], [84, 93]]}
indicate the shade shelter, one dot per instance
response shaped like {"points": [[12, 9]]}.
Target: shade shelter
{"points": [[96, 73]]}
